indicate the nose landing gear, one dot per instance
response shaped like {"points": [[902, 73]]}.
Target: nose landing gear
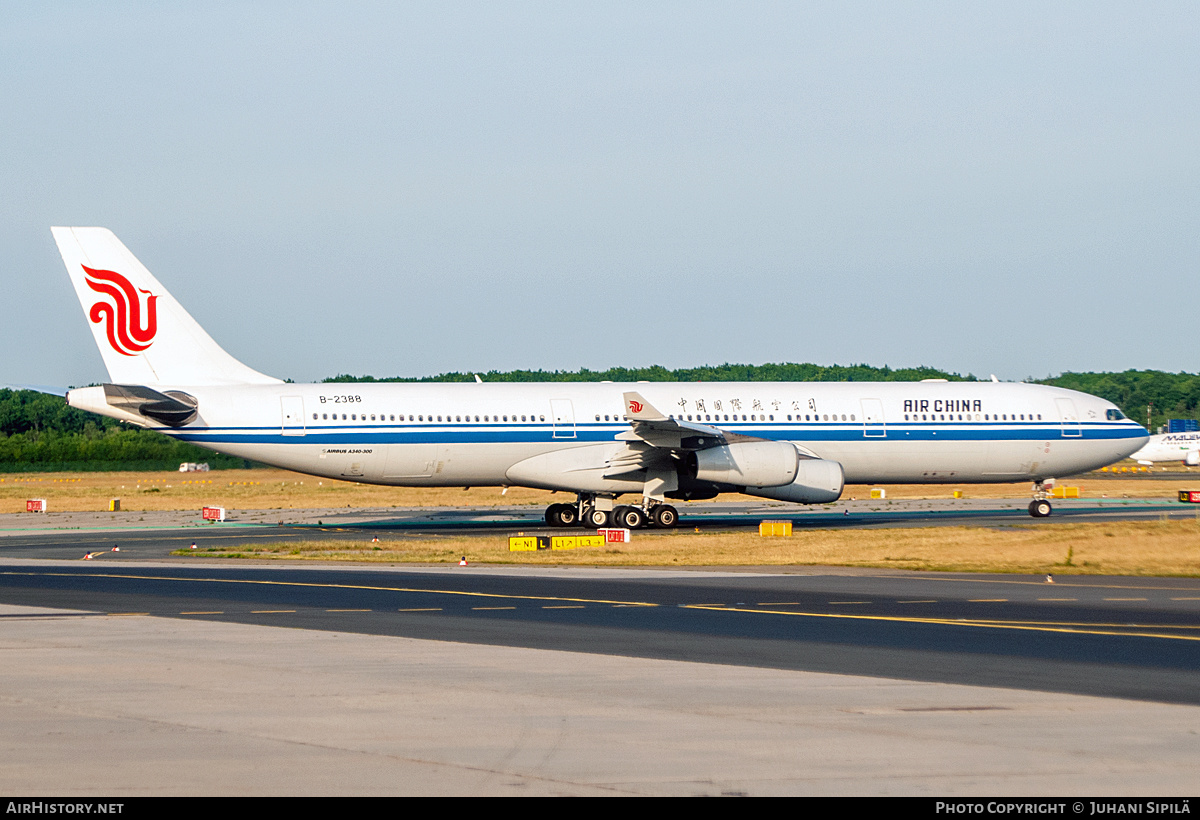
{"points": [[1040, 506]]}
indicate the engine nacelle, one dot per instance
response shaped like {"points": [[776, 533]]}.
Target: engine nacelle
{"points": [[746, 464], [818, 481]]}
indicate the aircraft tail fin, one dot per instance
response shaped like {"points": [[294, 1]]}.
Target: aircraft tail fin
{"points": [[144, 335]]}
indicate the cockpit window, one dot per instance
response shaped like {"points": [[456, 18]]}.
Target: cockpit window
{"points": [[1114, 415]]}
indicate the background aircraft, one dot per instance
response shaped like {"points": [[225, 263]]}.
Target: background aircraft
{"points": [[1183, 447]]}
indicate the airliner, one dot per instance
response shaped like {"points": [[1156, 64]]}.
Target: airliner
{"points": [[654, 443], [1183, 447]]}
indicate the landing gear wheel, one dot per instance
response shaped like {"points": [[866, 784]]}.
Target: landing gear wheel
{"points": [[593, 517], [1040, 508], [561, 515], [665, 516], [568, 515], [631, 518]]}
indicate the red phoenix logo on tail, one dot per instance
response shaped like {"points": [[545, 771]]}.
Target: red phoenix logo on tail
{"points": [[635, 406], [127, 333]]}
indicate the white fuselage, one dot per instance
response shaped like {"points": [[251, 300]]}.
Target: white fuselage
{"points": [[477, 434]]}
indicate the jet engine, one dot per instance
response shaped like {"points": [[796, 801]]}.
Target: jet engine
{"points": [[818, 481], [745, 464]]}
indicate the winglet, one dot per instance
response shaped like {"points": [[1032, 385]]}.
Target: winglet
{"points": [[638, 409]]}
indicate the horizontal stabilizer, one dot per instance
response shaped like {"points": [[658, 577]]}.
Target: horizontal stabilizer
{"points": [[173, 408]]}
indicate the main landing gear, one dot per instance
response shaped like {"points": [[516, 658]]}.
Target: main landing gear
{"points": [[1040, 506], [588, 513]]}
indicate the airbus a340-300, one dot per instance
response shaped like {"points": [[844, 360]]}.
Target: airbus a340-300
{"points": [[791, 441]]}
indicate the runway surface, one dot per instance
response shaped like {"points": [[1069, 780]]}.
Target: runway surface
{"points": [[119, 706], [240, 678], [1114, 637]]}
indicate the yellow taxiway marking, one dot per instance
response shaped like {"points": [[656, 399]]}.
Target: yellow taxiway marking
{"points": [[1186, 599], [306, 584], [917, 602], [1058, 599], [347, 610], [565, 606], [1039, 583], [1124, 599], [423, 609], [1027, 626], [849, 602], [128, 613], [270, 611], [214, 612], [1087, 624], [492, 607], [987, 600], [781, 603]]}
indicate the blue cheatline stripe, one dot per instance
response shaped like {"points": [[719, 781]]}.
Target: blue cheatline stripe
{"points": [[482, 434]]}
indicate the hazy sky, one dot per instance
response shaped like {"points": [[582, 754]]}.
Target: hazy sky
{"points": [[412, 188]]}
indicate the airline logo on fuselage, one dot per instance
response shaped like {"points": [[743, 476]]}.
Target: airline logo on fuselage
{"points": [[127, 333], [1182, 438], [943, 406]]}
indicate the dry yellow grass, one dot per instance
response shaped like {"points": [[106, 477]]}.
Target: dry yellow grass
{"points": [[265, 489], [1158, 548], [270, 489]]}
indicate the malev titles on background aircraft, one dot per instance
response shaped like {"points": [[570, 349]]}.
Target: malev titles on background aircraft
{"points": [[654, 442]]}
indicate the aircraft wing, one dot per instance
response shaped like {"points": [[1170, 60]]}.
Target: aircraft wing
{"points": [[656, 442], [651, 426]]}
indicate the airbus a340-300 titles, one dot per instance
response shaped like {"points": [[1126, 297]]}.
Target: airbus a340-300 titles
{"points": [[791, 441]]}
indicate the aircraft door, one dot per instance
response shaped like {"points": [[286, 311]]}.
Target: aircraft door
{"points": [[873, 423], [293, 415], [1069, 418], [563, 413]]}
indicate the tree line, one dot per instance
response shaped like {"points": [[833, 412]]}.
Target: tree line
{"points": [[42, 432]]}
